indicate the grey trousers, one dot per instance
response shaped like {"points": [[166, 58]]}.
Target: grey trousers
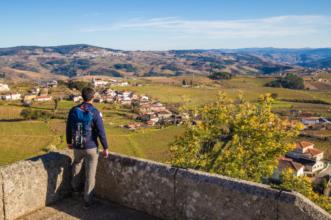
{"points": [[90, 158]]}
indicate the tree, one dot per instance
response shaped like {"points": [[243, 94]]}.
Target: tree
{"points": [[243, 140], [274, 95], [290, 81], [29, 114], [79, 85], [220, 75], [234, 138], [56, 104], [304, 186]]}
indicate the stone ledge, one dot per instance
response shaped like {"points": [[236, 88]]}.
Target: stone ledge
{"points": [[292, 204], [140, 184], [201, 195], [155, 188], [34, 183]]}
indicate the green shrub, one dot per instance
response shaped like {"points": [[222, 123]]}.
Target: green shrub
{"points": [[220, 75], [290, 81]]}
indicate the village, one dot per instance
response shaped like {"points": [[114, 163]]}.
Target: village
{"points": [[146, 112], [304, 160]]}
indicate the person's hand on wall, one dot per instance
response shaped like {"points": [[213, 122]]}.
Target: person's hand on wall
{"points": [[105, 153]]}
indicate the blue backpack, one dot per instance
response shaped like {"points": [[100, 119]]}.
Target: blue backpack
{"points": [[82, 118]]}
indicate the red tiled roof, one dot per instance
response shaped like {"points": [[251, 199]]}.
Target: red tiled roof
{"points": [[304, 144], [314, 151], [287, 163], [311, 118]]}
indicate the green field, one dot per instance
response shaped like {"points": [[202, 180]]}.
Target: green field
{"points": [[23, 139]]}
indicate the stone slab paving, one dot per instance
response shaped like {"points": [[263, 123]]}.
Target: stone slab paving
{"points": [[72, 209]]}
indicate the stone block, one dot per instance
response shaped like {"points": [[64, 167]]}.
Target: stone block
{"points": [[294, 206], [139, 184], [205, 196], [32, 184]]}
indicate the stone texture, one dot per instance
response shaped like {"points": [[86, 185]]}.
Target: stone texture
{"points": [[294, 206], [2, 214], [204, 196], [142, 185], [72, 209], [154, 188], [32, 184]]}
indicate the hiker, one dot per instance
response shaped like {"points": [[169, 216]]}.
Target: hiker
{"points": [[84, 127]]}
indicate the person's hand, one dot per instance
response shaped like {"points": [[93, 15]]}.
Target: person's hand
{"points": [[105, 153], [70, 146]]}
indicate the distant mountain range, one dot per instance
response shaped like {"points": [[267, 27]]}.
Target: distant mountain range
{"points": [[77, 60]]}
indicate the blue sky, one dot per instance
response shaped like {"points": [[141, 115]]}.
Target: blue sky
{"points": [[167, 24]]}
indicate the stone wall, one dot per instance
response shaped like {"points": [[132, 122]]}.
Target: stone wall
{"points": [[32, 184], [172, 193], [157, 189]]}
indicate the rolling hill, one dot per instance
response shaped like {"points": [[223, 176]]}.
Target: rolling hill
{"points": [[79, 60]]}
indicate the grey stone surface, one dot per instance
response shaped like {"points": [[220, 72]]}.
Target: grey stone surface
{"points": [[294, 206], [154, 188], [72, 209], [172, 193], [204, 196], [143, 185], [34, 183]]}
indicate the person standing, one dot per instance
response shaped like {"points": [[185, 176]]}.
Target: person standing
{"points": [[84, 128]]}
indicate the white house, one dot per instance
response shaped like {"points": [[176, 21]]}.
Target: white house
{"points": [[123, 84], [99, 82], [310, 121], [309, 156], [77, 98], [16, 96], [305, 149], [4, 87], [52, 83], [13, 96], [288, 163], [43, 98], [144, 98]]}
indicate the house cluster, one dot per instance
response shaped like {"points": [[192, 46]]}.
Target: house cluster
{"points": [[51, 84], [304, 160], [312, 122], [4, 89], [98, 53], [111, 82], [153, 113], [147, 111], [38, 95], [11, 97]]}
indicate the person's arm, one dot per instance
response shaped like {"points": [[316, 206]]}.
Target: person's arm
{"points": [[101, 130], [69, 130]]}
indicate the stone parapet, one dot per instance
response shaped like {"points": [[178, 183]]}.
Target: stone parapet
{"points": [[157, 189]]}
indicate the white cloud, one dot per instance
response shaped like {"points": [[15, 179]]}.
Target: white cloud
{"points": [[279, 26]]}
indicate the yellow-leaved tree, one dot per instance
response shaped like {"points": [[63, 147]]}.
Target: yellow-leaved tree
{"points": [[234, 138], [241, 139], [303, 185]]}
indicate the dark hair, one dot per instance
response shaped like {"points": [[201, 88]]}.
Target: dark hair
{"points": [[87, 94]]}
